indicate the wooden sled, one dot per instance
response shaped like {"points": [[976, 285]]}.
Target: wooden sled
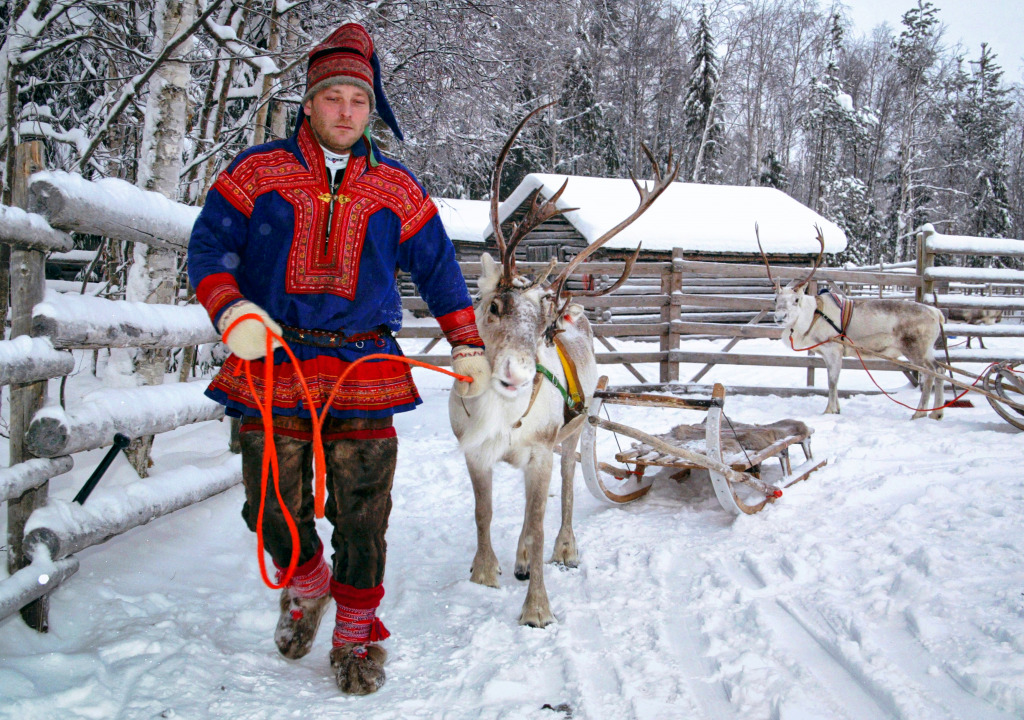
{"points": [[735, 478]]}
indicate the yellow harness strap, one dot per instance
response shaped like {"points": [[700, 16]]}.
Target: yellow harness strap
{"points": [[572, 380]]}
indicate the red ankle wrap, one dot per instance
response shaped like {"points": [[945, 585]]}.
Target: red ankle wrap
{"points": [[356, 618], [311, 579]]}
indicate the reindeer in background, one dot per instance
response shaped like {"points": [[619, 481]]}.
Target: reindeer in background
{"points": [[974, 316], [541, 349], [885, 326]]}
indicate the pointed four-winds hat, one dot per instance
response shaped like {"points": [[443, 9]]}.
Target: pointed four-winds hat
{"points": [[347, 57]]}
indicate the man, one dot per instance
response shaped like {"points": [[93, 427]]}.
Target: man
{"points": [[306, 233]]}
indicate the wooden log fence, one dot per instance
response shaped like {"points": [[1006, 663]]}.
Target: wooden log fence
{"points": [[43, 534]]}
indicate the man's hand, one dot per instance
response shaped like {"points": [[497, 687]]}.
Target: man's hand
{"points": [[248, 339], [469, 360]]}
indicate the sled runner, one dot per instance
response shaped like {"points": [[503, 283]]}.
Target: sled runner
{"points": [[732, 454]]}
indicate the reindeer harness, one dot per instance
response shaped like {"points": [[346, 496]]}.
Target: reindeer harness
{"points": [[575, 402], [845, 306]]}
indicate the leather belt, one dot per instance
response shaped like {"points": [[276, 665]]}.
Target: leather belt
{"points": [[328, 339]]}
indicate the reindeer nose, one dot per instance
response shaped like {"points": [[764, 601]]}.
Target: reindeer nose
{"points": [[516, 374]]}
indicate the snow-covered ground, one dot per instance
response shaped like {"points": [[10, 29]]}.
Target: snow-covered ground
{"points": [[889, 585]]}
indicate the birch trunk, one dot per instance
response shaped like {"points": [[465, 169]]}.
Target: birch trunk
{"points": [[153, 276]]}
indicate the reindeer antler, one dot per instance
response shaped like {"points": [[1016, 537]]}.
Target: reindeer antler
{"points": [[757, 233], [538, 213], [817, 262], [647, 198]]}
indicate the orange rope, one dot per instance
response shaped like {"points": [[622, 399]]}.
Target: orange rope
{"points": [[266, 406]]}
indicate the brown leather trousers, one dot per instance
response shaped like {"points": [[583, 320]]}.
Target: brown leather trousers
{"points": [[360, 473]]}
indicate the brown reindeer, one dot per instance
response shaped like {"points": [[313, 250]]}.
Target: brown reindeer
{"points": [[884, 326], [526, 323], [974, 316]]}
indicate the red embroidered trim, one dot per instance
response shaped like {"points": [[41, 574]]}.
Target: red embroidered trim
{"points": [[419, 218], [269, 171], [234, 194], [459, 328], [371, 386], [217, 291], [322, 262]]}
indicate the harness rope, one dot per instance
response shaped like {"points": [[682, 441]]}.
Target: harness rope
{"points": [[266, 406], [875, 382]]}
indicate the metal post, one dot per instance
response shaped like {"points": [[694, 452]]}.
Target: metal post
{"points": [[27, 285]]}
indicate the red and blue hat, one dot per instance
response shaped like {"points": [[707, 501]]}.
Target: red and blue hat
{"points": [[347, 57]]}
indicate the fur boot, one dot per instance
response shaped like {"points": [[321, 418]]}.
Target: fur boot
{"points": [[303, 604], [358, 667], [299, 621]]}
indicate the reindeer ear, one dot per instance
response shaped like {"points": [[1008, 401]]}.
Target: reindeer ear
{"points": [[490, 273], [571, 315]]}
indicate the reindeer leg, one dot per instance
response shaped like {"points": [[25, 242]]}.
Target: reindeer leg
{"points": [[536, 610], [565, 551], [939, 392], [833, 364], [485, 568]]}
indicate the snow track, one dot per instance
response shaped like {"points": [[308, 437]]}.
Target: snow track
{"points": [[887, 587]]}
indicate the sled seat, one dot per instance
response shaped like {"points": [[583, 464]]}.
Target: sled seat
{"points": [[744, 446]]}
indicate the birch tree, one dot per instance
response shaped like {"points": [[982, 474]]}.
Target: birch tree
{"points": [[154, 274]]}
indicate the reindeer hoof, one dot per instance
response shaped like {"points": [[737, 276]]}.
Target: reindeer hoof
{"points": [[566, 557], [565, 552], [485, 573], [522, 573], [538, 618]]}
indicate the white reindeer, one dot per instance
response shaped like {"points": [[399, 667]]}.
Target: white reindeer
{"points": [[888, 327], [523, 415]]}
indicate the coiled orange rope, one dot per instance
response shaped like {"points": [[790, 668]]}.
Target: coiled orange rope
{"points": [[266, 408]]}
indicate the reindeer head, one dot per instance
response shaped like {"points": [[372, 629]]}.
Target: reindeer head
{"points": [[519, 314], [793, 307]]}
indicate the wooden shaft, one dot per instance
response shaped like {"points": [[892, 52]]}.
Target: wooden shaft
{"points": [[941, 376], [697, 459]]}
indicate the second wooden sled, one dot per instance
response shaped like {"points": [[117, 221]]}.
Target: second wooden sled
{"points": [[737, 486]]}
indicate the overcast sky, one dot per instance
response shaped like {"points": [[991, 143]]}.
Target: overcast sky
{"points": [[1000, 23]]}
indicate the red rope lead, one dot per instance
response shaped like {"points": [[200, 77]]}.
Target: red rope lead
{"points": [[864, 365], [266, 408]]}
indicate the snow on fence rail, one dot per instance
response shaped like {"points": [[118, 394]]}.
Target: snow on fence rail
{"points": [[134, 412], [79, 321], [111, 207], [999, 291], [43, 535]]}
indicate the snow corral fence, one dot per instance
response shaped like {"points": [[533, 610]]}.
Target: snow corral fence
{"points": [[664, 303], [44, 534]]}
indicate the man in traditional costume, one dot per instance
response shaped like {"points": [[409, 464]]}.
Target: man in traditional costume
{"points": [[306, 233]]}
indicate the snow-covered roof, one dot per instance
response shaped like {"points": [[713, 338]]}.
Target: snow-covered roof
{"points": [[706, 218], [464, 219]]}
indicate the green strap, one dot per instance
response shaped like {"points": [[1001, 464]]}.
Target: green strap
{"points": [[554, 381]]}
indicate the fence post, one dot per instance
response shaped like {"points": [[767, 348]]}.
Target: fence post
{"points": [[671, 282], [925, 260], [27, 285]]}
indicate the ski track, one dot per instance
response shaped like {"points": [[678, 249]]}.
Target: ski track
{"points": [[858, 595]]}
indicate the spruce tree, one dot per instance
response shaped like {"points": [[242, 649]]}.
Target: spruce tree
{"points": [[702, 117]]}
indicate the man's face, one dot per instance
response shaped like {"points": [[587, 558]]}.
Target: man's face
{"points": [[339, 115]]}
